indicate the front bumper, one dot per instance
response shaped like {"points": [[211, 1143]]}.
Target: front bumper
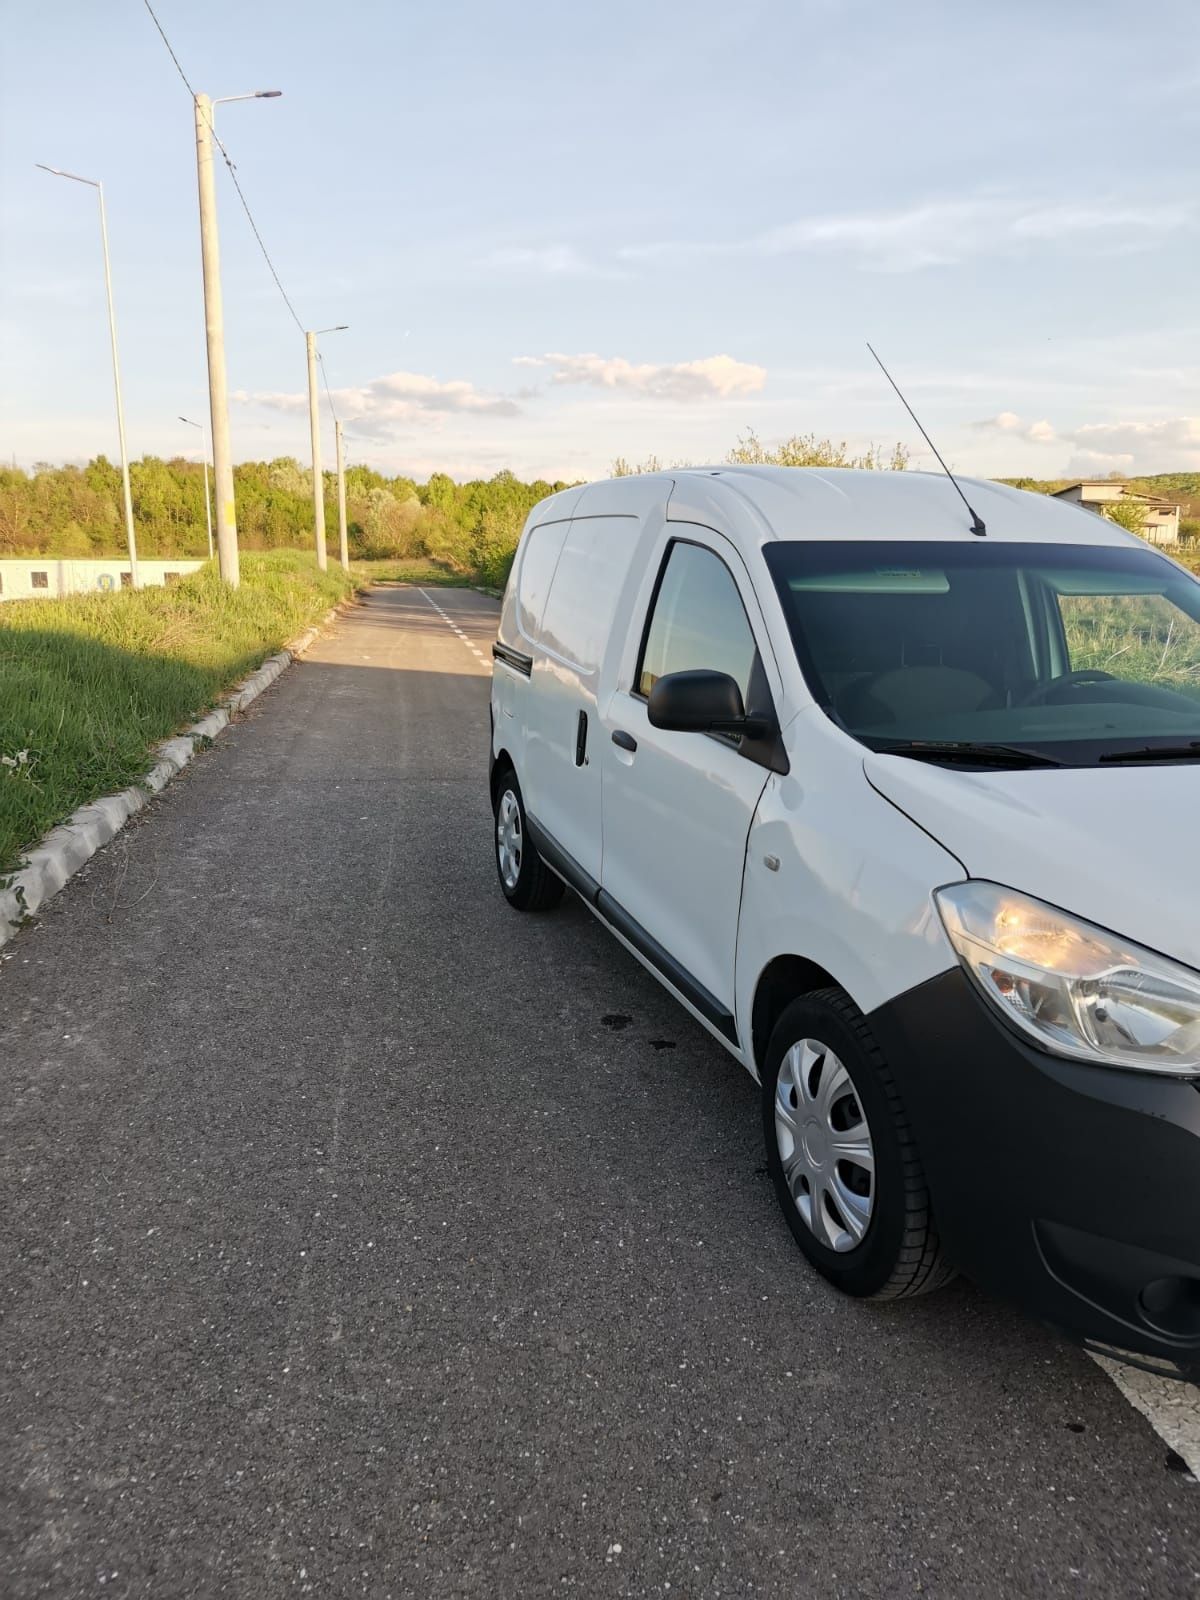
{"points": [[1073, 1190]]}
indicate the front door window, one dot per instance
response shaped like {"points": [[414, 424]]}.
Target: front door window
{"points": [[698, 621]]}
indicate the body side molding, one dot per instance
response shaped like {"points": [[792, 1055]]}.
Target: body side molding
{"points": [[615, 915]]}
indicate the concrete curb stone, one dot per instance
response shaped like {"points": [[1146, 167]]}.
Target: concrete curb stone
{"points": [[66, 848]]}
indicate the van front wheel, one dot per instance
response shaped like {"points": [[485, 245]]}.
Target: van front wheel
{"points": [[527, 881], [842, 1156]]}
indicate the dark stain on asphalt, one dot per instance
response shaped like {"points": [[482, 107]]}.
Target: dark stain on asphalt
{"points": [[616, 1021], [662, 1044]]}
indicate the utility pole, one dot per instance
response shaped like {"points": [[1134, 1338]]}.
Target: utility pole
{"points": [[214, 329], [314, 428], [343, 540], [130, 537]]}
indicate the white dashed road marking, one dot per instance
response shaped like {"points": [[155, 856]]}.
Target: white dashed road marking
{"points": [[454, 628], [1171, 1408]]}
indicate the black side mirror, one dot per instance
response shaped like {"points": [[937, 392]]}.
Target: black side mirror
{"points": [[702, 702]]}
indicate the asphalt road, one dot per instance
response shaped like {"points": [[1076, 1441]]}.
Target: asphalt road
{"points": [[362, 1237]]}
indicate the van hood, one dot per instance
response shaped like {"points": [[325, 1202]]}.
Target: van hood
{"points": [[1116, 846]]}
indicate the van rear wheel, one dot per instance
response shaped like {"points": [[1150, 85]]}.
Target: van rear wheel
{"points": [[842, 1156], [527, 881]]}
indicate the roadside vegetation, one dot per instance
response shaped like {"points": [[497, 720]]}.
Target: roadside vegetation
{"points": [[445, 532], [469, 528], [416, 569], [89, 683]]}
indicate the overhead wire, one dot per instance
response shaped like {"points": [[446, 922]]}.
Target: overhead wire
{"points": [[170, 51], [232, 172], [328, 390]]}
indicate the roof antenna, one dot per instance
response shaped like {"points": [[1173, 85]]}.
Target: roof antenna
{"points": [[977, 524]]}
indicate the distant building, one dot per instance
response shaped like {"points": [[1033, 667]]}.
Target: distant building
{"points": [[46, 577], [1096, 494]]}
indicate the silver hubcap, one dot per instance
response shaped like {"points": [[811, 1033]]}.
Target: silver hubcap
{"points": [[508, 839], [824, 1145]]}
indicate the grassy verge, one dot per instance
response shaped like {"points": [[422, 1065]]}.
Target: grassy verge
{"points": [[89, 683], [412, 569]]}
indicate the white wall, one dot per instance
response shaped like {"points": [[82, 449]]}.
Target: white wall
{"points": [[1162, 527], [80, 577]]}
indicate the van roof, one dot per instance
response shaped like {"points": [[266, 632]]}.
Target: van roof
{"points": [[848, 503], [764, 504]]}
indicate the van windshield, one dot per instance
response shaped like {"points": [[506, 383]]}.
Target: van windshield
{"points": [[1046, 654]]}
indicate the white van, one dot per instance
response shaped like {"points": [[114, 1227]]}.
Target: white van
{"points": [[909, 820]]}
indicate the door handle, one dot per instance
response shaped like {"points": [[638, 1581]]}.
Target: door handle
{"points": [[581, 739], [623, 740]]}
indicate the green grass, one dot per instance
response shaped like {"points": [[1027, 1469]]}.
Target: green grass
{"points": [[1141, 638], [89, 683], [412, 569]]}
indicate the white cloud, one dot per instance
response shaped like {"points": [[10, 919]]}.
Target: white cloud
{"points": [[1173, 433], [548, 261], [945, 232], [1009, 422], [1058, 222], [711, 377], [1097, 464], [1171, 444], [396, 400]]}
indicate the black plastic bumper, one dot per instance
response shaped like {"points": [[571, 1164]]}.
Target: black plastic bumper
{"points": [[1073, 1190]]}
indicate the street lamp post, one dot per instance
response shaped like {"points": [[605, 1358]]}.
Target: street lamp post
{"points": [[207, 497], [314, 428], [131, 538], [214, 329], [343, 538]]}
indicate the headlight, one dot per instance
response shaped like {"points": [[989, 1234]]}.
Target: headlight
{"points": [[1077, 990]]}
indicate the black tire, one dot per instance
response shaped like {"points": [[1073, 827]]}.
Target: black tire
{"points": [[898, 1254], [533, 887]]}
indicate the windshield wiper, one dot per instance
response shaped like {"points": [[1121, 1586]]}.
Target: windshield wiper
{"points": [[1156, 752], [965, 751]]}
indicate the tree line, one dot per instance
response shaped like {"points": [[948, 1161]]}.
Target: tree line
{"points": [[77, 511], [470, 527]]}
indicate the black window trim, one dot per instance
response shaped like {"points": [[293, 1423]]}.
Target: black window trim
{"points": [[636, 688], [767, 753]]}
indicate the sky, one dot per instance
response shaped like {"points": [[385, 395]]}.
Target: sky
{"points": [[562, 233]]}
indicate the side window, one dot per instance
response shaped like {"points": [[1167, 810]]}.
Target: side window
{"points": [[698, 621], [543, 545], [578, 614]]}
